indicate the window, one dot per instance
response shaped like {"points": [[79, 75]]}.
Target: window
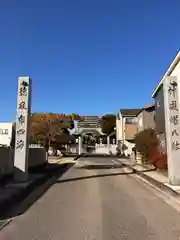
{"points": [[158, 104], [131, 121], [141, 122], [4, 131]]}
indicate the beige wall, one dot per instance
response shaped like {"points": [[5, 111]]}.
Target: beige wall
{"points": [[125, 131], [130, 131], [149, 121], [146, 120], [140, 118]]}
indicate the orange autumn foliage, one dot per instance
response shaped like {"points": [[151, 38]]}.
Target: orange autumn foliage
{"points": [[46, 126], [49, 127]]}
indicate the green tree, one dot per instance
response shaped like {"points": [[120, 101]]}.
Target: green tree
{"points": [[108, 123]]}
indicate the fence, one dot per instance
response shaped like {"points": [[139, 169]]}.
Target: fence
{"points": [[97, 149]]}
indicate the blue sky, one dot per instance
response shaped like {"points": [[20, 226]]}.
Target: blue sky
{"points": [[87, 57]]}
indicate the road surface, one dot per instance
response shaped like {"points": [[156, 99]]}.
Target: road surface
{"points": [[97, 204]]}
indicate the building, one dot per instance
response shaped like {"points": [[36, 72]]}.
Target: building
{"points": [[158, 95], [5, 133], [89, 122], [89, 125], [126, 124], [126, 128], [146, 118]]}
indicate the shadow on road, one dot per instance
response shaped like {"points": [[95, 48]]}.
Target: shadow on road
{"points": [[95, 155], [101, 166], [27, 199], [73, 179]]}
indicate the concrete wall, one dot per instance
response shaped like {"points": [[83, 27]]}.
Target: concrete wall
{"points": [[37, 157], [146, 119], [119, 129], [140, 119], [149, 118], [159, 102], [159, 112], [125, 131], [6, 161]]}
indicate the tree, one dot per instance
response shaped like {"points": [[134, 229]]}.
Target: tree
{"points": [[146, 142], [75, 116], [46, 128], [108, 123]]}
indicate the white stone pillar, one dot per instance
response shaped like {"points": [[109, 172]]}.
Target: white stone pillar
{"points": [[108, 142], [171, 90], [79, 145], [117, 128], [123, 129], [22, 134]]}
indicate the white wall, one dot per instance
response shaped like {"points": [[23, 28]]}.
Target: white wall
{"points": [[5, 133], [104, 149], [140, 121], [119, 133], [176, 71], [118, 130]]}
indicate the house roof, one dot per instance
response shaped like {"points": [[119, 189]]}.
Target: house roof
{"points": [[169, 71], [129, 112], [149, 106], [146, 108]]}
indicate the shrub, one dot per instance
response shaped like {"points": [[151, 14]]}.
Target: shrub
{"points": [[145, 141]]}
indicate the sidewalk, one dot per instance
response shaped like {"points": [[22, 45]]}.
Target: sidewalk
{"points": [[61, 160], [153, 176], [11, 194]]}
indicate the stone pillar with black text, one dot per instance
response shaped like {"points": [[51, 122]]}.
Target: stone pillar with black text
{"points": [[171, 89], [22, 126]]}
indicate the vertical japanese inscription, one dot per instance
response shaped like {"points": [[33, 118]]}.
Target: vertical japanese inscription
{"points": [[174, 114], [21, 115], [22, 124], [171, 95]]}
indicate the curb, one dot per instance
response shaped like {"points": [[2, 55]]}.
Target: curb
{"points": [[154, 182], [78, 156], [4, 223]]}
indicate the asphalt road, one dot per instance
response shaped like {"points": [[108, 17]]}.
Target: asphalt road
{"points": [[97, 204]]}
